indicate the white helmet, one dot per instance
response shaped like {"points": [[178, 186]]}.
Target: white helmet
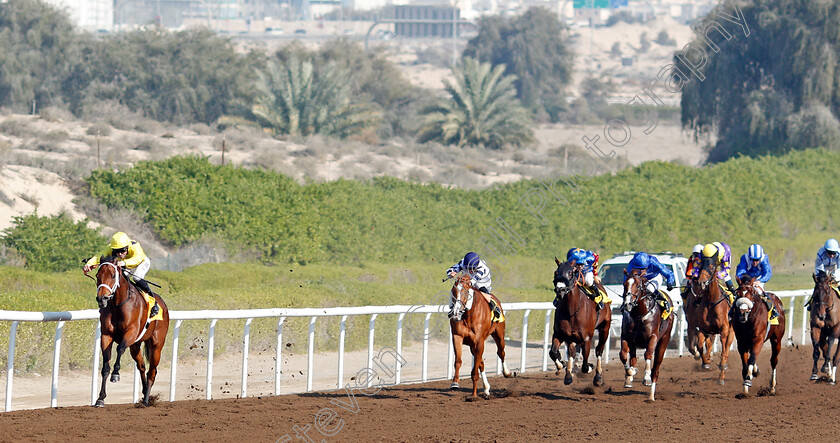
{"points": [[698, 248]]}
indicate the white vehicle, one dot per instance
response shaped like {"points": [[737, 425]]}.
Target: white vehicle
{"points": [[611, 273]]}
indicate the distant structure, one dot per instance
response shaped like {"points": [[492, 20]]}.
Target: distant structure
{"points": [[89, 15], [425, 21]]}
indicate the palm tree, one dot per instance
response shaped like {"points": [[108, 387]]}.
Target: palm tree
{"points": [[482, 109], [295, 99]]}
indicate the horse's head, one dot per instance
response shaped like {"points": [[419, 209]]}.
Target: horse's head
{"points": [[635, 288], [745, 298], [823, 301], [565, 277], [708, 269], [463, 295], [107, 280]]}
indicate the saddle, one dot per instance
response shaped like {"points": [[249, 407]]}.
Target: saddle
{"points": [[150, 302], [601, 296]]}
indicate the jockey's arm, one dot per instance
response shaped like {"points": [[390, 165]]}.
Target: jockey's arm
{"points": [[766, 271], [135, 256]]}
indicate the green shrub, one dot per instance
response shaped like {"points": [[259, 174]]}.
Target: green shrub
{"points": [[52, 243]]}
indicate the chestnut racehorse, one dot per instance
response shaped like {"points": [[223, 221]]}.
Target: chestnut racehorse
{"points": [[575, 321], [752, 328], [470, 319], [123, 316], [825, 327], [643, 327], [707, 312]]}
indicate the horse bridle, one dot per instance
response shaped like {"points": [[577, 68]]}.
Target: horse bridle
{"points": [[457, 312], [832, 294], [638, 297], [112, 290]]}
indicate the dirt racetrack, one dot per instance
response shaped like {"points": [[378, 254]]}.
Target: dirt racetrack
{"points": [[533, 406]]}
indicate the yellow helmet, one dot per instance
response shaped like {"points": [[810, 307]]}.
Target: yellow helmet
{"points": [[710, 250], [120, 240]]}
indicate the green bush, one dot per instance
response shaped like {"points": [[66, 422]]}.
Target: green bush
{"points": [[52, 243]]}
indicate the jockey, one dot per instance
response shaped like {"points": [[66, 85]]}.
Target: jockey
{"points": [[721, 253], [479, 274], [828, 258], [755, 264], [586, 262], [692, 269], [654, 272], [131, 256]]}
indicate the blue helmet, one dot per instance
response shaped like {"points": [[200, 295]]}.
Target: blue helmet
{"points": [[576, 255], [471, 260], [640, 261], [832, 246], [755, 252]]}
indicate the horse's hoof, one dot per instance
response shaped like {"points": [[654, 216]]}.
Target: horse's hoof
{"points": [[824, 369], [721, 382], [831, 383], [628, 385], [115, 378], [567, 380], [99, 404], [706, 367], [756, 373], [559, 371], [723, 367], [747, 383], [815, 377], [598, 380], [454, 386], [646, 382]]}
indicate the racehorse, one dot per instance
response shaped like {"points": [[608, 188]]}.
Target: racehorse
{"points": [[825, 326], [752, 328], [123, 316], [643, 327], [575, 321], [471, 321], [701, 350], [707, 313]]}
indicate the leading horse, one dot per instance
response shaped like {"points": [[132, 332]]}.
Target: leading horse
{"points": [[471, 322], [643, 327], [707, 313], [752, 328], [123, 316], [575, 321], [825, 327]]}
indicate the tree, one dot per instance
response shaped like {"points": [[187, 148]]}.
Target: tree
{"points": [[772, 91], [482, 110], [534, 47], [294, 99], [53, 244], [664, 39], [38, 45]]}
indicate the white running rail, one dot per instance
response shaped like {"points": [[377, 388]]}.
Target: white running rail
{"points": [[178, 317]]}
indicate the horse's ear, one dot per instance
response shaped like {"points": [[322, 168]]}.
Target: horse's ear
{"points": [[814, 276], [556, 261], [625, 272]]}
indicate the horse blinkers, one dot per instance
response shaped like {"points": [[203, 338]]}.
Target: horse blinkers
{"points": [[103, 297]]}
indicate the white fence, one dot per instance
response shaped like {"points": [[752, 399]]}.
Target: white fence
{"points": [[178, 317]]}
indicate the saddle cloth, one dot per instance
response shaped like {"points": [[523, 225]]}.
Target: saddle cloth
{"points": [[730, 295], [151, 301], [600, 297], [665, 313]]}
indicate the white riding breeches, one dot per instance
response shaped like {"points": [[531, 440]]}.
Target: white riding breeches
{"points": [[142, 269], [589, 278], [654, 284]]}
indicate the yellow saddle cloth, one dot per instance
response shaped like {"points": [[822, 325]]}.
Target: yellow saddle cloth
{"points": [[151, 301], [600, 297], [665, 312], [728, 294]]}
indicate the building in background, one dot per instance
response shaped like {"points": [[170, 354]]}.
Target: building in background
{"points": [[89, 15]]}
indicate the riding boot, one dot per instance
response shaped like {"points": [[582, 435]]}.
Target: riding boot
{"points": [[497, 311], [666, 306], [771, 307], [143, 285], [594, 296], [731, 288], [808, 303]]}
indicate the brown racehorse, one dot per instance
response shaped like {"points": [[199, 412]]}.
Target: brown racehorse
{"points": [[470, 319], [575, 321], [643, 327], [752, 328], [707, 312], [701, 350], [825, 327], [123, 315]]}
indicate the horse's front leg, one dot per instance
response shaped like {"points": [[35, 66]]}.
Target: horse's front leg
{"points": [[649, 350], [115, 376], [815, 341], [587, 347], [457, 343], [752, 368], [831, 348], [628, 359], [478, 364], [661, 347], [727, 336], [704, 348], [141, 366], [571, 351], [599, 352], [554, 353], [106, 345]]}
